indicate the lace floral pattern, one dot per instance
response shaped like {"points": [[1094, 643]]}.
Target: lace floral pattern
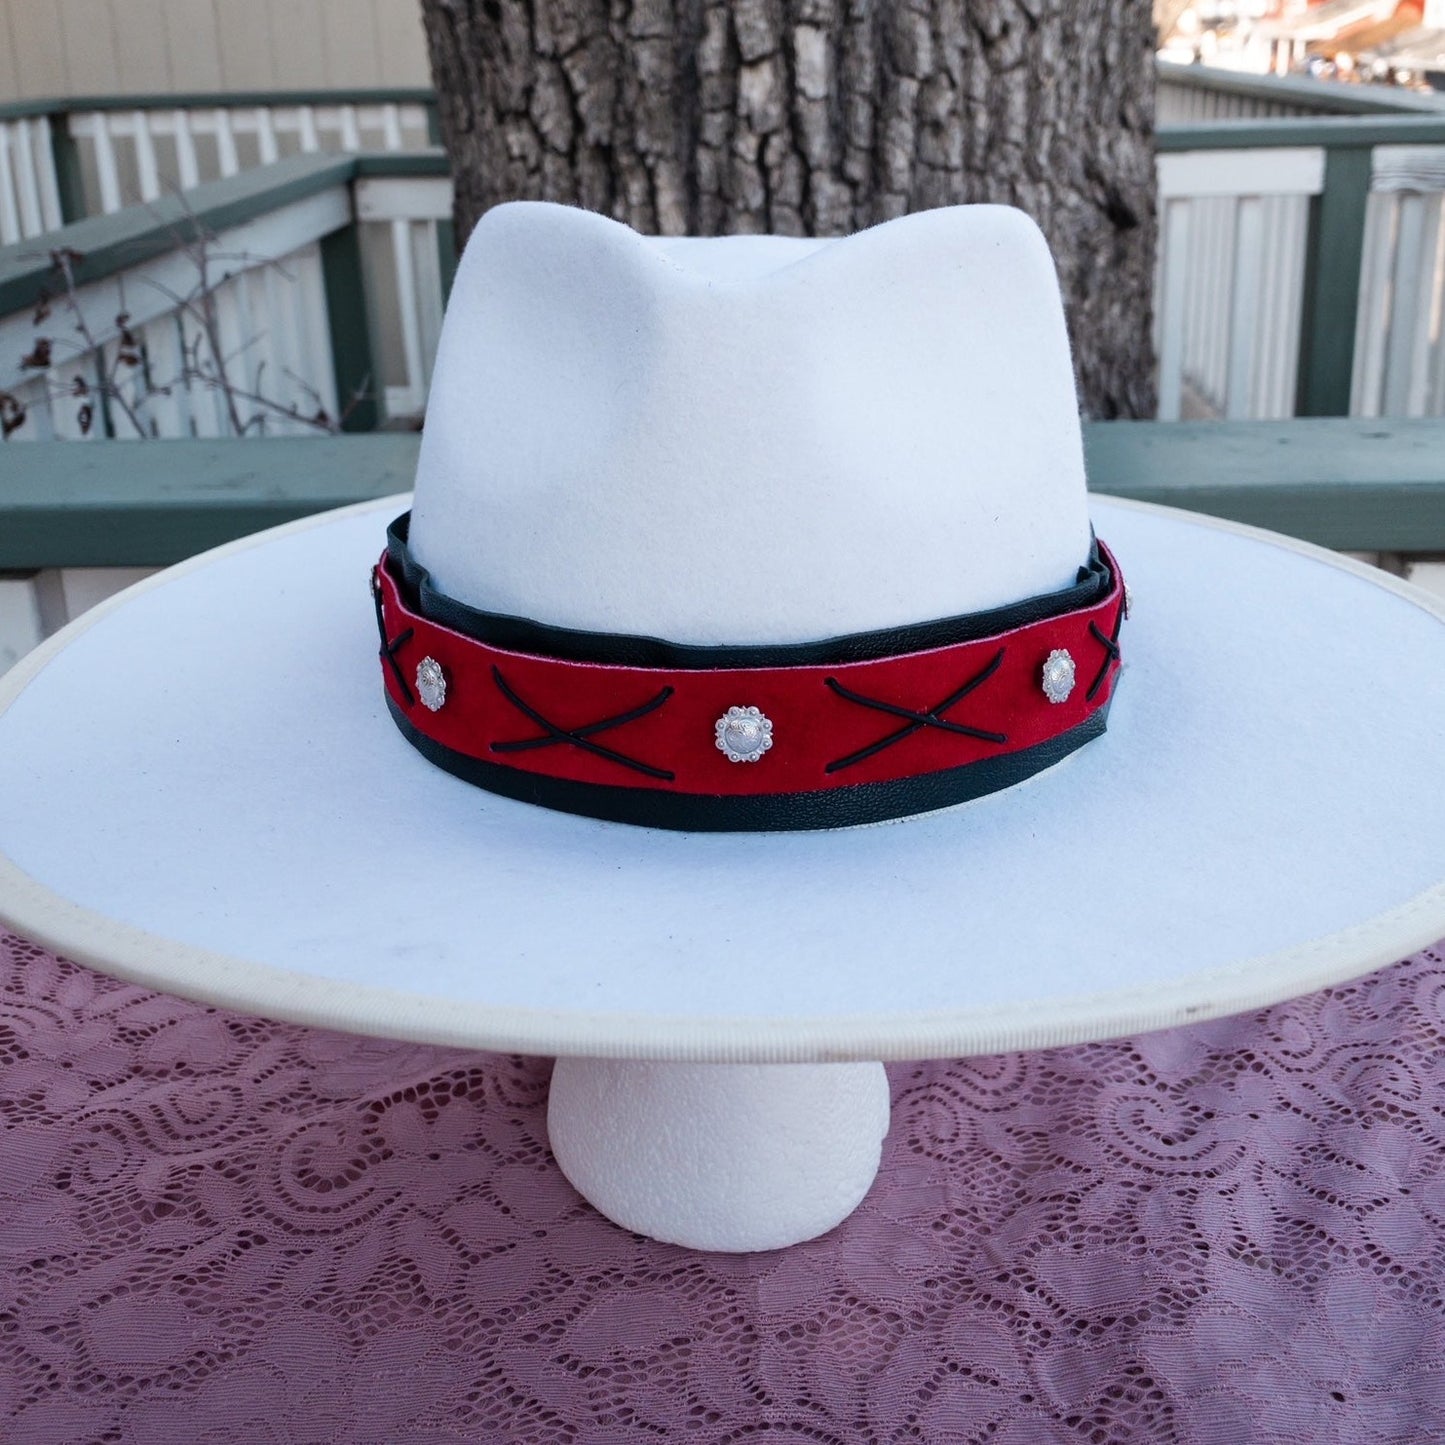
{"points": [[218, 1229]]}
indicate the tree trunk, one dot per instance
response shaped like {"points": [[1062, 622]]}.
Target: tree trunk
{"points": [[820, 117]]}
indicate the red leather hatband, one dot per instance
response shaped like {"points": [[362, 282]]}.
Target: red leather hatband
{"points": [[793, 746]]}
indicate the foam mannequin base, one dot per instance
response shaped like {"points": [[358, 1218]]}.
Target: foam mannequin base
{"points": [[727, 1157]]}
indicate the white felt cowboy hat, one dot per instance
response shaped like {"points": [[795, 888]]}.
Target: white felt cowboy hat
{"points": [[815, 507], [739, 443], [750, 539]]}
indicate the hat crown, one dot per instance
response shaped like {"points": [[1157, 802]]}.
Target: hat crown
{"points": [[751, 439]]}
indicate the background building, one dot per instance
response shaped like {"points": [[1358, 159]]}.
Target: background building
{"points": [[65, 48]]}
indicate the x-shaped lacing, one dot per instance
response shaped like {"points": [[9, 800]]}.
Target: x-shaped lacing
{"points": [[933, 718], [1110, 643], [581, 737], [390, 648]]}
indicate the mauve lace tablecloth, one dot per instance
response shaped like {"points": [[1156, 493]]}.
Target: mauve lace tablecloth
{"points": [[221, 1229]]}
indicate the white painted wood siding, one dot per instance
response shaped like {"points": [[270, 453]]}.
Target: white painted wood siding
{"points": [[68, 48]]}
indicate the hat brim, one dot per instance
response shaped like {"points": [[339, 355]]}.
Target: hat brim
{"points": [[202, 792]]}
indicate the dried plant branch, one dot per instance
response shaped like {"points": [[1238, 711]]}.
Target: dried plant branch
{"points": [[126, 382]]}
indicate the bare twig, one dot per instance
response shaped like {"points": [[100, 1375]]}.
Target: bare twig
{"points": [[125, 378]]}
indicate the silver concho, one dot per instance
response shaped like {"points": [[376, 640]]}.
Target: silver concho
{"points": [[431, 684], [1058, 678], [743, 734]]}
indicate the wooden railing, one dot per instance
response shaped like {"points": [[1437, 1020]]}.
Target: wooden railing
{"points": [[294, 296], [1302, 266], [1300, 262], [1187, 94], [61, 161], [1301, 272], [77, 522]]}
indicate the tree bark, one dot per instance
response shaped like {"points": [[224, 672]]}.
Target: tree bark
{"points": [[821, 117]]}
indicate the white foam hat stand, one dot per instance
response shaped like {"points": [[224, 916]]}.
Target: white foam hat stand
{"points": [[201, 788], [747, 439]]}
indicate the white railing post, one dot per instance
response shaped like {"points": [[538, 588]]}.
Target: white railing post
{"points": [[350, 132], [1174, 238], [226, 156], [188, 171], [10, 231], [43, 153], [306, 124], [266, 135], [391, 127], [106, 172], [410, 322], [1231, 269], [1244, 312], [147, 170], [31, 220]]}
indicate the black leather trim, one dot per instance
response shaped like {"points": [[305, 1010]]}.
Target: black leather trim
{"points": [[773, 812], [521, 634]]}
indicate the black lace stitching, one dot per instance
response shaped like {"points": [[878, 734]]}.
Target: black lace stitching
{"points": [[932, 718], [390, 648], [581, 737], [1110, 644]]}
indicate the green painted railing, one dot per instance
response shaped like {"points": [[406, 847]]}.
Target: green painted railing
{"points": [[1262, 95], [1311, 97], [1347, 484], [79, 522], [68, 158], [1334, 249], [1244, 250], [213, 99], [107, 245], [133, 244], [1330, 131]]}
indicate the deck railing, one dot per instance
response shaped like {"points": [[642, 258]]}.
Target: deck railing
{"points": [[78, 522], [1300, 255], [288, 298], [1301, 265], [1301, 268], [1190, 93], [61, 161]]}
